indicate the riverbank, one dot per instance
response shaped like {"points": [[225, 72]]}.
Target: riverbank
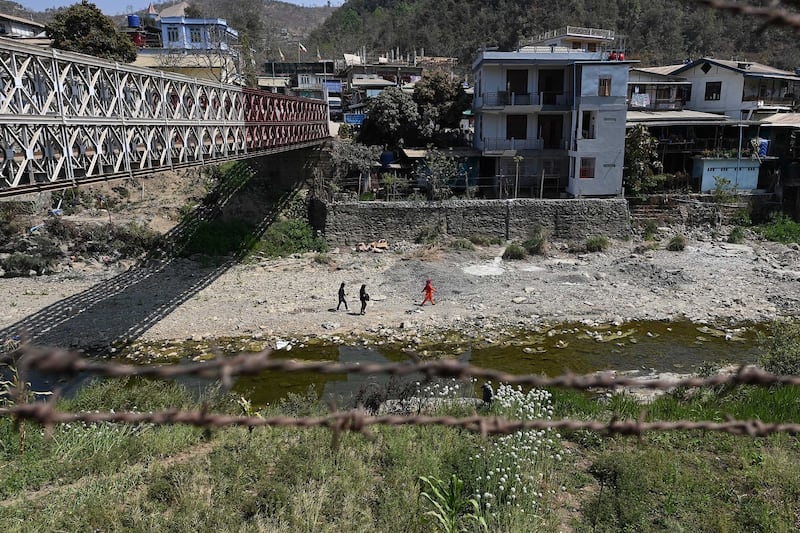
{"points": [[479, 295]]}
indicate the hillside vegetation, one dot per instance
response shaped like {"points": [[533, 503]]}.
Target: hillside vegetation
{"points": [[658, 32]]}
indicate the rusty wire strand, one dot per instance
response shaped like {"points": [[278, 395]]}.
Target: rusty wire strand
{"points": [[772, 15], [62, 362], [359, 422]]}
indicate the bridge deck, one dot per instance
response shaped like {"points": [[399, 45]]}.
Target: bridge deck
{"points": [[68, 119]]}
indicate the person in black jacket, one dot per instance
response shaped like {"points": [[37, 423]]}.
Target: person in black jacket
{"points": [[341, 298], [364, 297]]}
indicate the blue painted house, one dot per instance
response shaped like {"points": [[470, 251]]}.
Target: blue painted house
{"points": [[197, 34]]}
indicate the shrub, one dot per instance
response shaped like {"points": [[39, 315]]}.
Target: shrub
{"points": [[514, 252], [781, 348], [781, 229], [429, 234], [485, 240], [599, 243], [736, 235], [677, 243], [537, 243], [650, 229], [218, 238], [461, 244], [286, 237], [742, 218]]}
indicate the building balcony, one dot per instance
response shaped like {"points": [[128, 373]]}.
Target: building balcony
{"points": [[503, 99], [756, 102], [655, 105], [501, 144]]}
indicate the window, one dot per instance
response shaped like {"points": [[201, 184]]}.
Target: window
{"points": [[195, 35], [172, 34], [587, 167], [713, 90], [517, 127], [604, 87], [588, 120]]}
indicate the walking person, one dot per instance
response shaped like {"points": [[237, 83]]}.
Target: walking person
{"points": [[364, 297], [341, 298], [428, 290]]}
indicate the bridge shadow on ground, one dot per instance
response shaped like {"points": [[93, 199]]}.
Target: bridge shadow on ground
{"points": [[122, 308]]}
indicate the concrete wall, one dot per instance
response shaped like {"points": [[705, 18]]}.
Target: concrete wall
{"points": [[351, 223]]}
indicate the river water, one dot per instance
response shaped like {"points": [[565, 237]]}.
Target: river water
{"points": [[644, 346]]}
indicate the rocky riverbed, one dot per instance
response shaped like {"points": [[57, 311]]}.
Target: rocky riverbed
{"points": [[479, 295]]}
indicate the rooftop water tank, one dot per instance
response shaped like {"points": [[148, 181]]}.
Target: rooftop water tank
{"points": [[133, 21]]}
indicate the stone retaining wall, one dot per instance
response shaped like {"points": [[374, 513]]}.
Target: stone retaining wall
{"points": [[351, 223]]}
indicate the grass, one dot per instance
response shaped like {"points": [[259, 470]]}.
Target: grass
{"points": [[514, 252], [117, 477], [677, 243], [781, 229], [599, 243], [461, 244], [736, 235]]}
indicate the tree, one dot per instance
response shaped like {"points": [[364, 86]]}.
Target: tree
{"points": [[440, 170], [392, 119], [84, 28], [641, 158], [441, 101]]}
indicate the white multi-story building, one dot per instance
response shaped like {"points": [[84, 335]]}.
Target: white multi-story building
{"points": [[551, 117]]}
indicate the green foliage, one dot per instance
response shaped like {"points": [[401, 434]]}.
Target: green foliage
{"points": [[723, 192], [736, 235], [461, 244], [449, 503], [641, 160], [514, 252], [219, 238], [650, 229], [677, 243], [429, 234], [781, 348], [597, 243], [537, 243], [781, 229], [742, 218], [287, 237], [392, 120], [84, 28], [439, 170], [441, 101], [486, 240]]}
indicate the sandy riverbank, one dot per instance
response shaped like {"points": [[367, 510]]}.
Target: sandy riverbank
{"points": [[478, 293]]}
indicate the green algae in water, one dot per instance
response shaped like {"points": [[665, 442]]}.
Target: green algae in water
{"points": [[550, 350]]}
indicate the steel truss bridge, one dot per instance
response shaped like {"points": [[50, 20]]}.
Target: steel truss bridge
{"points": [[68, 119]]}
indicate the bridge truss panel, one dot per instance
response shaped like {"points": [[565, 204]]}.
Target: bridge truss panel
{"points": [[67, 118]]}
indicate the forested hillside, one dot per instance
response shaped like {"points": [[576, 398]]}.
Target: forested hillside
{"points": [[658, 31]]}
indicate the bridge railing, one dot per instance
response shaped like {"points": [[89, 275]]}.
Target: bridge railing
{"points": [[67, 117]]}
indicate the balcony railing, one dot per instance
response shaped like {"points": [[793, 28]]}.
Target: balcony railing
{"points": [[501, 143], [575, 30], [788, 100], [656, 105], [504, 98]]}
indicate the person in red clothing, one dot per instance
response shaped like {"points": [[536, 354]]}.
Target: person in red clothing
{"points": [[428, 290]]}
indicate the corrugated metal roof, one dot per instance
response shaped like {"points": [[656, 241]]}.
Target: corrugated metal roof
{"points": [[788, 120], [665, 70], [687, 114]]}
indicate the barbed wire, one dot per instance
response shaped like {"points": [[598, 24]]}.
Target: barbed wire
{"points": [[359, 421], [64, 362], [772, 15]]}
